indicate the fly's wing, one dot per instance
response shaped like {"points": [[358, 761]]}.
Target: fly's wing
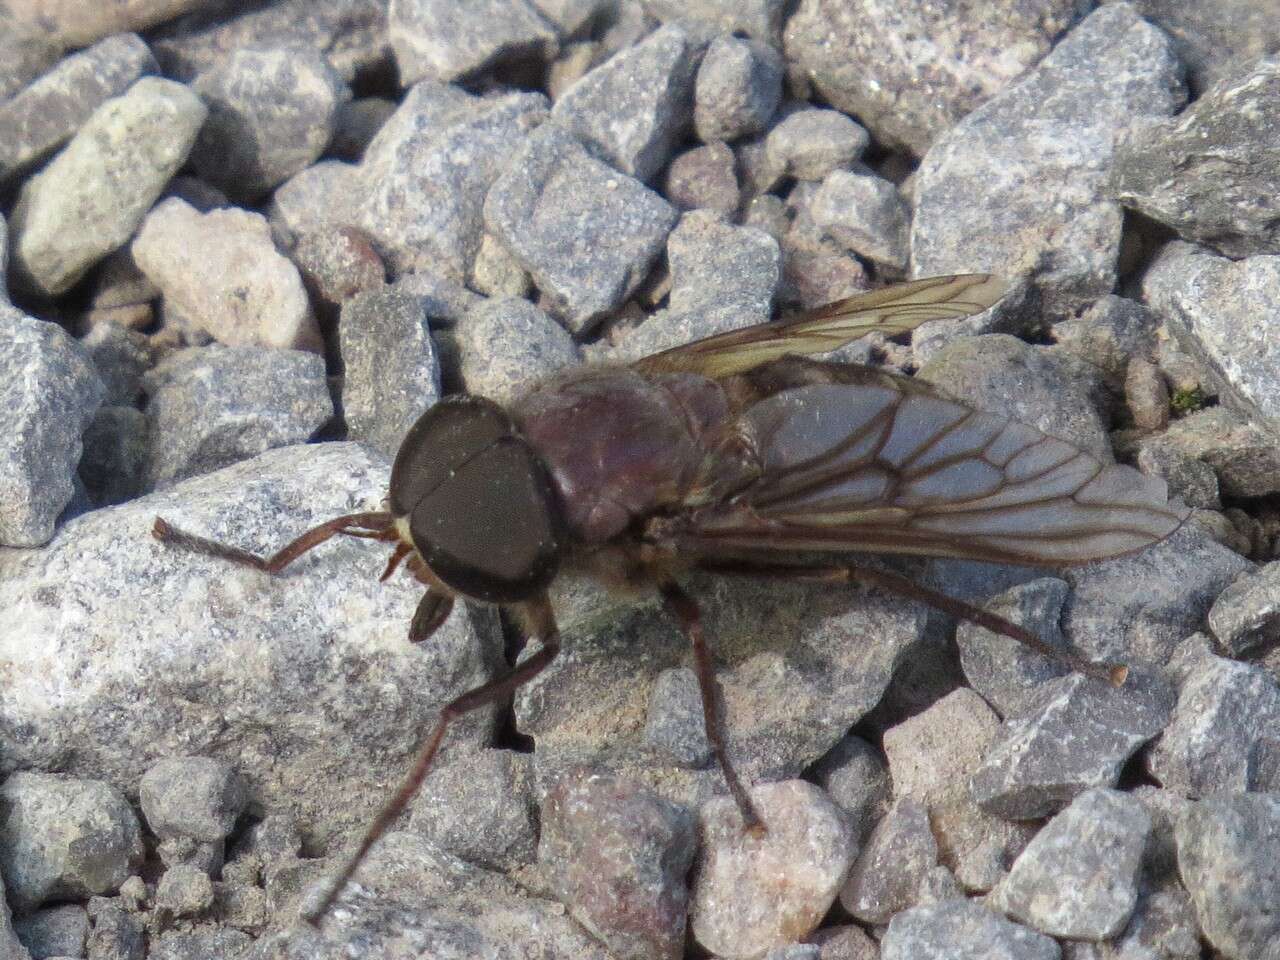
{"points": [[882, 468], [891, 310]]}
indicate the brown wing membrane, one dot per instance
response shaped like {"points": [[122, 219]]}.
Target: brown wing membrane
{"points": [[891, 310], [871, 467]]}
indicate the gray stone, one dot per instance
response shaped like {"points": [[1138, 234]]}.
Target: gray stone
{"points": [[856, 776], [703, 178], [760, 20], [272, 111], [865, 214], [113, 466], [64, 838], [722, 277], [810, 143], [49, 392], [869, 60], [336, 265], [26, 51], [1039, 155], [1224, 710], [206, 856], [887, 876], [1146, 394], [674, 723], [1078, 877], [1246, 615], [210, 407], [121, 356], [754, 892], [1076, 734], [1192, 481], [1243, 454], [617, 856], [78, 25], [392, 374], [1108, 333], [53, 932], [324, 196], [961, 930], [1047, 389], [184, 891], [1004, 671], [633, 109], [1160, 859], [116, 935], [1207, 172], [479, 806], [428, 170], [90, 199], [737, 89], [504, 346], [1221, 311], [357, 123], [495, 273], [586, 233], [304, 682], [352, 34], [45, 115], [443, 40], [844, 943], [1229, 859], [576, 17], [758, 172], [196, 797], [1163, 926], [200, 943], [222, 273], [443, 298]]}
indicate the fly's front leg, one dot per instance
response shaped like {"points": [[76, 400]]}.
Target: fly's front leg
{"points": [[685, 610], [541, 622], [375, 526], [1114, 674]]}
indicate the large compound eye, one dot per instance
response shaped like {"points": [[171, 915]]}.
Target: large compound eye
{"points": [[480, 505]]}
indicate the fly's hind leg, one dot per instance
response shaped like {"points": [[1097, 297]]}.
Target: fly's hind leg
{"points": [[685, 610], [374, 526]]}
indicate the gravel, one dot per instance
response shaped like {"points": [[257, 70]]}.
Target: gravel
{"points": [[243, 248]]}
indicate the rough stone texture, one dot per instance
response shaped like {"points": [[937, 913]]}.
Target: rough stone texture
{"points": [[200, 942], [336, 265], [504, 346], [324, 196], [1229, 859], [1206, 173], [89, 200], [76, 24], [586, 233], [495, 273], [46, 114], [116, 935], [810, 143], [304, 682], [121, 356], [1243, 454], [617, 856], [872, 60], [1004, 671], [888, 873], [1146, 394], [1223, 314], [210, 407], [760, 20], [444, 40], [26, 52], [222, 273], [49, 392], [675, 724], [1076, 734], [1039, 154], [357, 123], [392, 374], [1078, 877], [1246, 615], [479, 806], [961, 930], [196, 797], [1164, 926], [844, 943], [737, 89], [1224, 713], [428, 170], [53, 932], [63, 838], [184, 891], [856, 776], [703, 178], [352, 34], [753, 892], [722, 277], [865, 214], [1108, 333], [272, 111], [113, 467], [633, 108]]}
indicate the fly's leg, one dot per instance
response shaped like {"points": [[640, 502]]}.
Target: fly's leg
{"points": [[375, 526], [542, 625], [1114, 674], [685, 610]]}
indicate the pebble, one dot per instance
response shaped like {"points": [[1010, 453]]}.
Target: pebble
{"points": [[321, 198], [60, 931], [887, 876], [703, 178], [77, 25], [808, 144], [440, 40], [505, 345], [674, 722], [856, 776], [184, 891], [737, 89], [1246, 615], [865, 214], [91, 198], [962, 930], [196, 797]]}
